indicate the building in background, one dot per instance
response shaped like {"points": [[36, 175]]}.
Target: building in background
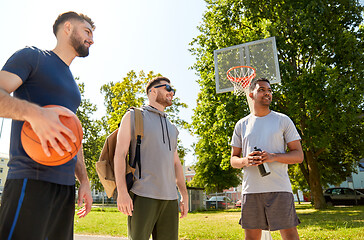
{"points": [[4, 159], [189, 173], [356, 180]]}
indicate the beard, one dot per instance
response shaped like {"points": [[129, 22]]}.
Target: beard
{"points": [[163, 101], [265, 102], [78, 45]]}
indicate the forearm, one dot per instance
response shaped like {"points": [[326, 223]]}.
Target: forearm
{"points": [[119, 169], [84, 191], [291, 157], [124, 202], [180, 181], [80, 170], [238, 162], [17, 109]]}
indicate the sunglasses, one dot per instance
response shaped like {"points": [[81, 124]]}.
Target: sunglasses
{"points": [[168, 88]]}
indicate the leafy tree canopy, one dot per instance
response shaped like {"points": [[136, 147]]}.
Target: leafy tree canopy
{"points": [[93, 138], [320, 51]]}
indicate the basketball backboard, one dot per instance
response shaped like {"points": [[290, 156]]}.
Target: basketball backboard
{"points": [[260, 54]]}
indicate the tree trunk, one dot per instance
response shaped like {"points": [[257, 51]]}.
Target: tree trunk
{"points": [[315, 182], [303, 167], [298, 198]]}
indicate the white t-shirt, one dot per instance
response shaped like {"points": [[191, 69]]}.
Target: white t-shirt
{"points": [[270, 133]]}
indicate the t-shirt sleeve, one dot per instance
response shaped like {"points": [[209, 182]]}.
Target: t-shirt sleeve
{"points": [[290, 131], [22, 63], [236, 140]]}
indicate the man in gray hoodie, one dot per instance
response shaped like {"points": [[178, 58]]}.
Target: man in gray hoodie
{"points": [[151, 204]]}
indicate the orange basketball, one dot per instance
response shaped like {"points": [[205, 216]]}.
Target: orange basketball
{"points": [[33, 147]]}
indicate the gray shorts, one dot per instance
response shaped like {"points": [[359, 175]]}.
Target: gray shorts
{"points": [[268, 211]]}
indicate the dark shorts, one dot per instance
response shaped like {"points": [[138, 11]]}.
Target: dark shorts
{"points": [[268, 211], [158, 218], [32, 209]]}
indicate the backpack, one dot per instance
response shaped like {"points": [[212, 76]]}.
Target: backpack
{"points": [[105, 164]]}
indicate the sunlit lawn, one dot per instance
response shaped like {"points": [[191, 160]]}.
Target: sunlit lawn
{"points": [[333, 223]]}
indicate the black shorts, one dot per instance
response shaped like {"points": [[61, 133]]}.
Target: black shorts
{"points": [[32, 209]]}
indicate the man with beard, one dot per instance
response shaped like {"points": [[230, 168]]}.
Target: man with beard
{"points": [[38, 200], [267, 201], [152, 205]]}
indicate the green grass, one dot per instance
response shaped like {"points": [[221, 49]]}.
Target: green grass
{"points": [[102, 221], [333, 223]]}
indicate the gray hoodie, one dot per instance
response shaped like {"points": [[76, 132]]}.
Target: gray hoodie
{"points": [[158, 178]]}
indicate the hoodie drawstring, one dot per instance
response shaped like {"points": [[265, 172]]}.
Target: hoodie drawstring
{"points": [[160, 118], [169, 142]]}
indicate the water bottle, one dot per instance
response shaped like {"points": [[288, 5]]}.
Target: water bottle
{"points": [[263, 168]]}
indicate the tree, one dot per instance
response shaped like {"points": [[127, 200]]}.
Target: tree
{"points": [[214, 122], [320, 51], [93, 139], [298, 181]]}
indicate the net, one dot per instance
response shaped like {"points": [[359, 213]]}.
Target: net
{"points": [[240, 77]]}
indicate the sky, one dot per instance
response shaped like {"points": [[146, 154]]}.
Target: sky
{"points": [[148, 35]]}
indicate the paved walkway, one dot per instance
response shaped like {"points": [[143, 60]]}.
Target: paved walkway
{"points": [[95, 237]]}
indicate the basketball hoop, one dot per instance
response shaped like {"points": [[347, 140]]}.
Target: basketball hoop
{"points": [[240, 77]]}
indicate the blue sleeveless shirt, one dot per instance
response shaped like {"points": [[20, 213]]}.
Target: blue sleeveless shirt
{"points": [[47, 80]]}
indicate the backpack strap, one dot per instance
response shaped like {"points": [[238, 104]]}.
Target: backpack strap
{"points": [[139, 133], [139, 127]]}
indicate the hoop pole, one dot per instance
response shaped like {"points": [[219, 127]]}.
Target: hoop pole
{"points": [[1, 129], [240, 77], [250, 101]]}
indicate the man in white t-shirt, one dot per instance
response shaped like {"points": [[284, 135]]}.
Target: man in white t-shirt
{"points": [[267, 201]]}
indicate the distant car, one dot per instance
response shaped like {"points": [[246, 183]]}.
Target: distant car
{"points": [[238, 204], [222, 202], [343, 196]]}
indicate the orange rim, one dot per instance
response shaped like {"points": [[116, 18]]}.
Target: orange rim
{"points": [[243, 79]]}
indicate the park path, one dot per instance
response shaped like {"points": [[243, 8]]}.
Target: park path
{"points": [[96, 237]]}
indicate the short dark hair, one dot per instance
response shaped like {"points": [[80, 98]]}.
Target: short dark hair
{"points": [[155, 81], [64, 17], [255, 81]]}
